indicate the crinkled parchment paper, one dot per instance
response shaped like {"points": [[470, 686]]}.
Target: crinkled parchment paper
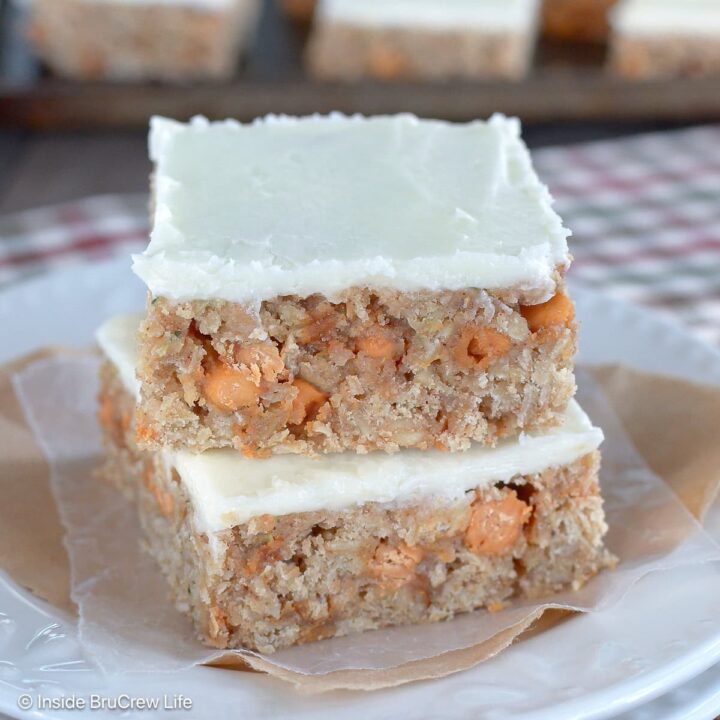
{"points": [[126, 620]]}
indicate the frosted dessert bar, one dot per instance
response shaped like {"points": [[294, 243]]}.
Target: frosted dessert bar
{"points": [[664, 38], [266, 554], [346, 283], [422, 39], [170, 40], [577, 20]]}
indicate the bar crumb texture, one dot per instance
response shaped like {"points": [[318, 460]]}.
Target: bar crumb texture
{"points": [[376, 370]]}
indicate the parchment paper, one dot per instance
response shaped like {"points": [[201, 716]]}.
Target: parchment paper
{"points": [[126, 622]]}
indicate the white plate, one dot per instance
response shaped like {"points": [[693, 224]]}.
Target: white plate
{"points": [[664, 633], [698, 699]]}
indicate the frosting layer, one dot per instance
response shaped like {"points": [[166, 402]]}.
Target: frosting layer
{"points": [[650, 17], [433, 15], [118, 339], [318, 204], [227, 489]]}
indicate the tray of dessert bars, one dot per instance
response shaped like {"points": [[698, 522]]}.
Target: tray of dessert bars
{"points": [[566, 81]]}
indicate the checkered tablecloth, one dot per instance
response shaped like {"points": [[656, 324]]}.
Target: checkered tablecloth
{"points": [[645, 215]]}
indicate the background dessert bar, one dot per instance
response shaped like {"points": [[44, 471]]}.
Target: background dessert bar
{"points": [[422, 39], [175, 40], [664, 39]]}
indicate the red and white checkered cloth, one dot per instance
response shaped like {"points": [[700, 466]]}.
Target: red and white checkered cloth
{"points": [[645, 215]]}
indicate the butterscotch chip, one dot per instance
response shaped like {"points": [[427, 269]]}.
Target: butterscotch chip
{"points": [[380, 344], [229, 388], [558, 310], [307, 401], [395, 564], [495, 525], [479, 347]]}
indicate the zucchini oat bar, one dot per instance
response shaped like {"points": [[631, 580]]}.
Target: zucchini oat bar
{"points": [[664, 39], [172, 40], [345, 283], [267, 554], [422, 39]]}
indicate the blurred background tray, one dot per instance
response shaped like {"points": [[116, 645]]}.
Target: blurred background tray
{"points": [[568, 83]]}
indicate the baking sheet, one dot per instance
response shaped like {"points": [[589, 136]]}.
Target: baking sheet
{"points": [[568, 82]]}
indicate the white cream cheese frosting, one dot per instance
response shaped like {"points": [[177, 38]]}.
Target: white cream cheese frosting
{"points": [[667, 17], [118, 339], [227, 489], [319, 204], [438, 15]]}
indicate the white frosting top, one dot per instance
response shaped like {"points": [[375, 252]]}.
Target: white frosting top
{"points": [[320, 204], [227, 489], [675, 17], [432, 14]]}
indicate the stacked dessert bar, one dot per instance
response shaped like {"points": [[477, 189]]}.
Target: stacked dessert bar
{"points": [[349, 404]]}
